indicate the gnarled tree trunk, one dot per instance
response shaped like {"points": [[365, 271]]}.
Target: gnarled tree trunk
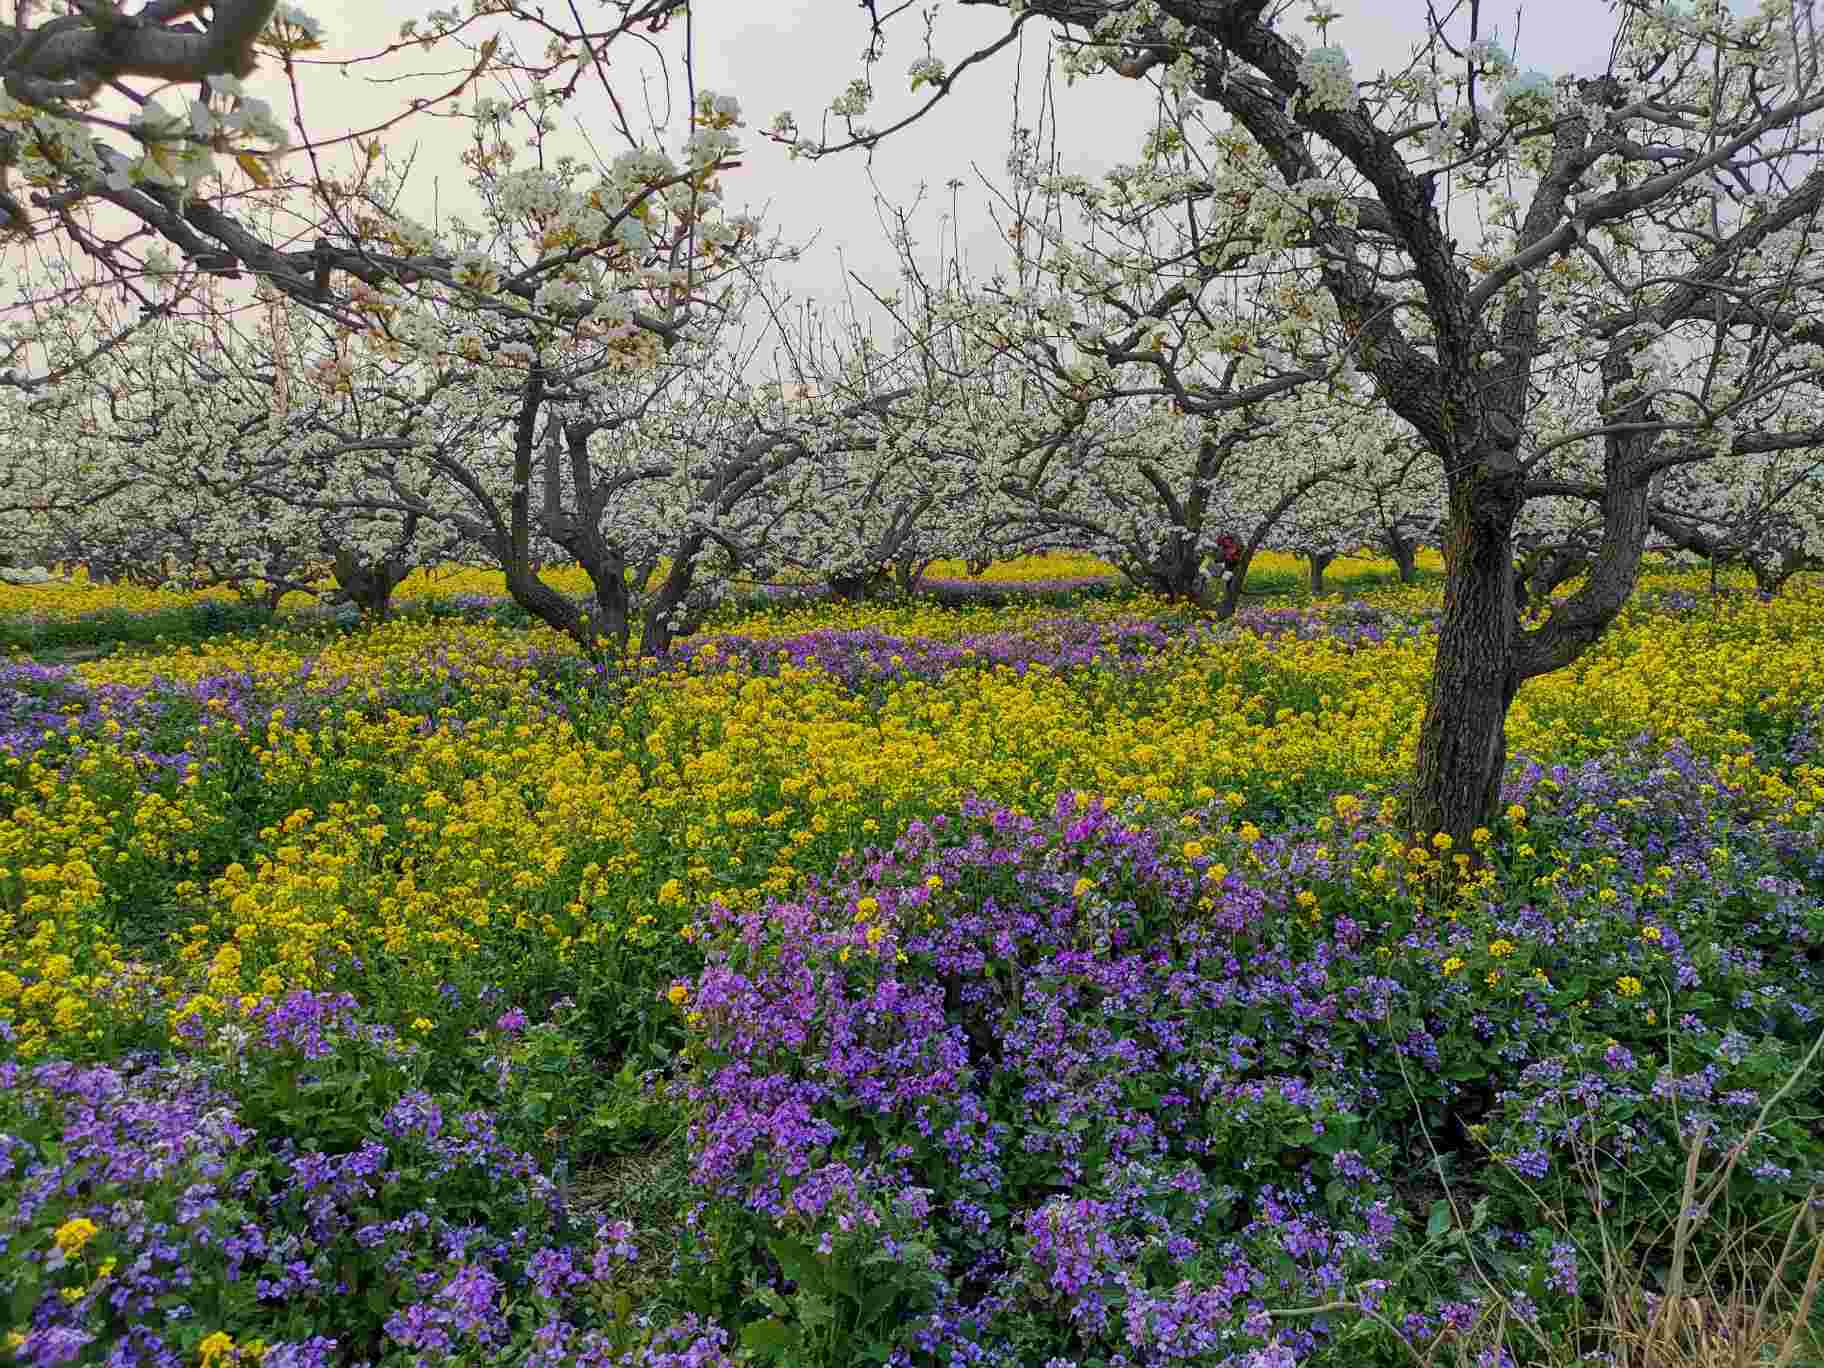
{"points": [[908, 570], [1405, 554], [367, 585], [1320, 562], [1463, 738]]}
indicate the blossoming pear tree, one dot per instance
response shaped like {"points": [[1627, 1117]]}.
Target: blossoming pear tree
{"points": [[1758, 508], [1398, 487], [210, 457], [488, 334], [1477, 227], [85, 133], [1181, 408], [949, 414], [685, 472], [1767, 514]]}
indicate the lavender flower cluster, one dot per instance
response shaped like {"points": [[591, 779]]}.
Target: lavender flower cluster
{"points": [[1137, 1093], [966, 1027], [866, 656], [148, 1222], [869, 655]]}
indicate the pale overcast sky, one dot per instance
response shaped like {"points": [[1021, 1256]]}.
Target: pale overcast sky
{"points": [[799, 54]]}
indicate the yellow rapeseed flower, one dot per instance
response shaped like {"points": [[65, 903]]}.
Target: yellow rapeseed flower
{"points": [[72, 1235]]}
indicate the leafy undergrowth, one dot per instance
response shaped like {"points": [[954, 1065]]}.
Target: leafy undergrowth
{"points": [[1077, 1089], [904, 989]]}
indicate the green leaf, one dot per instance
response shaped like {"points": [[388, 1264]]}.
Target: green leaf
{"points": [[879, 1298], [769, 1338], [799, 1264], [25, 1297], [815, 1310], [1440, 1219]]}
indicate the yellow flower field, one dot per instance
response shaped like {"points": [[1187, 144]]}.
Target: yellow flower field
{"points": [[72, 594], [441, 892], [408, 835]]}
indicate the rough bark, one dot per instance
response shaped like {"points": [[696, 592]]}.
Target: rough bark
{"points": [[57, 61], [368, 585], [908, 570], [1463, 738], [1404, 553], [1320, 562]]}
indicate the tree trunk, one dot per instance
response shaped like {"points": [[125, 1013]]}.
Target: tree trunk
{"points": [[551, 608], [1405, 554], [369, 586], [514, 549], [614, 608], [1320, 562], [1175, 570], [1483, 655], [907, 572], [1230, 598], [1463, 738], [668, 614]]}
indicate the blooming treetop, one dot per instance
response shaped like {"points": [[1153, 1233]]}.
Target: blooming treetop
{"points": [[1477, 227], [61, 153]]}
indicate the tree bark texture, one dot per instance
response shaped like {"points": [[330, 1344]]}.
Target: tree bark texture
{"points": [[1320, 562], [1463, 738]]}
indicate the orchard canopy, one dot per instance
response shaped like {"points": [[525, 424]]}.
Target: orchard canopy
{"points": [[1549, 321]]}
